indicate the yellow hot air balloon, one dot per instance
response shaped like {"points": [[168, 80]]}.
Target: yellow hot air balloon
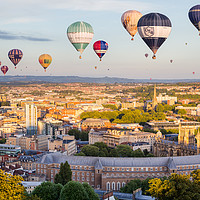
{"points": [[45, 60], [129, 20]]}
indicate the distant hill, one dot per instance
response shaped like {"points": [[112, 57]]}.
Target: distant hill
{"points": [[73, 79]]}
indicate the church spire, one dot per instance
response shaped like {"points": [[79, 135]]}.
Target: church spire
{"points": [[154, 102]]}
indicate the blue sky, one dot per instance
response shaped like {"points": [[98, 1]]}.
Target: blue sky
{"points": [[39, 26]]}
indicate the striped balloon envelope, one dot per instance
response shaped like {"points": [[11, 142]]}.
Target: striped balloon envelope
{"points": [[154, 29], [45, 60], [194, 16], [4, 69], [15, 55], [80, 35], [100, 47]]}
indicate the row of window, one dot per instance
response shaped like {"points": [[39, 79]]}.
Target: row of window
{"points": [[135, 169], [112, 186], [82, 179], [83, 173], [134, 175], [81, 167]]}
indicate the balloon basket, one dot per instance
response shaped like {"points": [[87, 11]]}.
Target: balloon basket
{"points": [[15, 67], [154, 57], [132, 38]]}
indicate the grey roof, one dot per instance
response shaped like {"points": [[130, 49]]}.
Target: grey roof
{"points": [[171, 164], [98, 165], [119, 162]]}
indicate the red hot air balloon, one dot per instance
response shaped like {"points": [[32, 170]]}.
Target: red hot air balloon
{"points": [[95, 67], [193, 72], [146, 55], [15, 55], [4, 69], [100, 47], [150, 79]]}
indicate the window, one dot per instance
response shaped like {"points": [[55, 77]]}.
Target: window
{"points": [[92, 179], [127, 169], [113, 185], [123, 184], [142, 169], [118, 185], [83, 173], [88, 178], [117, 169], [151, 168], [113, 169], [78, 178], [92, 174], [83, 178], [108, 169], [73, 178], [156, 169], [88, 174], [137, 169], [73, 173], [108, 186], [78, 173], [85, 168], [122, 169], [80, 167], [76, 167]]}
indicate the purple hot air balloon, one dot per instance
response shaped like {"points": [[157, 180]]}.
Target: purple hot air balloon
{"points": [[146, 55], [4, 69], [15, 55]]}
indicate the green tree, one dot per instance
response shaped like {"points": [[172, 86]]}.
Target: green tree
{"points": [[90, 150], [137, 153], [90, 191], [124, 151], [177, 187], [64, 175], [182, 112], [48, 191], [3, 141], [73, 191], [160, 108]]}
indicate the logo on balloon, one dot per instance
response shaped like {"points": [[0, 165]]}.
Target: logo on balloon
{"points": [[149, 31]]}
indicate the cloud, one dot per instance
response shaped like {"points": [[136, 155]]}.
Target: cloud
{"points": [[9, 36], [100, 5]]}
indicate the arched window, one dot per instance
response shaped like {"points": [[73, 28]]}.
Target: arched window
{"points": [[108, 186], [118, 186], [123, 184], [113, 186]]}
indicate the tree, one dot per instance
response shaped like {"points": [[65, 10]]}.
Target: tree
{"points": [[73, 191], [137, 153], [64, 175], [90, 191], [177, 187], [182, 112], [90, 150], [48, 191], [3, 141], [11, 187], [124, 151]]}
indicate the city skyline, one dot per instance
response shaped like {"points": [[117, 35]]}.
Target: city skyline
{"points": [[38, 28]]}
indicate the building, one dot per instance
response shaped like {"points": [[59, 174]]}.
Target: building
{"points": [[67, 144], [166, 99], [30, 185], [184, 147], [95, 124], [108, 173], [116, 137], [31, 118]]}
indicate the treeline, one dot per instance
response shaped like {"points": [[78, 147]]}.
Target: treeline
{"points": [[99, 149], [79, 135], [125, 116]]}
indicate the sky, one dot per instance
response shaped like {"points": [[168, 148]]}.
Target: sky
{"points": [[39, 26]]}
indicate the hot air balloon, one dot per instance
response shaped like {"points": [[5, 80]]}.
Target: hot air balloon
{"points": [[4, 69], [150, 79], [45, 60], [80, 35], [0, 63], [146, 55], [129, 20], [15, 55], [95, 67], [100, 47], [193, 72], [171, 61], [185, 43], [154, 28], [194, 16]]}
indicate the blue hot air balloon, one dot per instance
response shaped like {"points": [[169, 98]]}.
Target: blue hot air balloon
{"points": [[194, 16], [154, 29]]}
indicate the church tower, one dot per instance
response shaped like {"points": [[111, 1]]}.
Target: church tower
{"points": [[198, 142], [154, 102], [181, 135]]}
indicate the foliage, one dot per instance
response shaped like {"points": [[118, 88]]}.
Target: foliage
{"points": [[91, 194], [10, 187], [135, 184], [169, 131], [125, 116], [100, 149], [73, 191], [4, 103], [48, 191], [3, 141], [111, 106], [175, 187], [79, 135], [182, 112], [64, 175], [31, 197]]}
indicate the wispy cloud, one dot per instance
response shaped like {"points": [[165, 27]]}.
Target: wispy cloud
{"points": [[100, 5], [10, 36]]}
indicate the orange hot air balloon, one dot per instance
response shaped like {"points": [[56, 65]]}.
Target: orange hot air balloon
{"points": [[95, 67], [45, 60], [129, 20]]}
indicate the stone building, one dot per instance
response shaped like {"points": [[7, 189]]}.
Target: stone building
{"points": [[108, 173], [184, 147]]}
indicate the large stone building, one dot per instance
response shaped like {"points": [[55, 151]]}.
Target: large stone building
{"points": [[185, 146], [108, 173], [115, 137]]}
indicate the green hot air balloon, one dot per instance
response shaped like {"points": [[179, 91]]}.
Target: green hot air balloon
{"points": [[80, 35]]}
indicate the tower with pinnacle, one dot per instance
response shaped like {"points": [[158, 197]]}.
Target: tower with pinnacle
{"points": [[154, 102]]}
